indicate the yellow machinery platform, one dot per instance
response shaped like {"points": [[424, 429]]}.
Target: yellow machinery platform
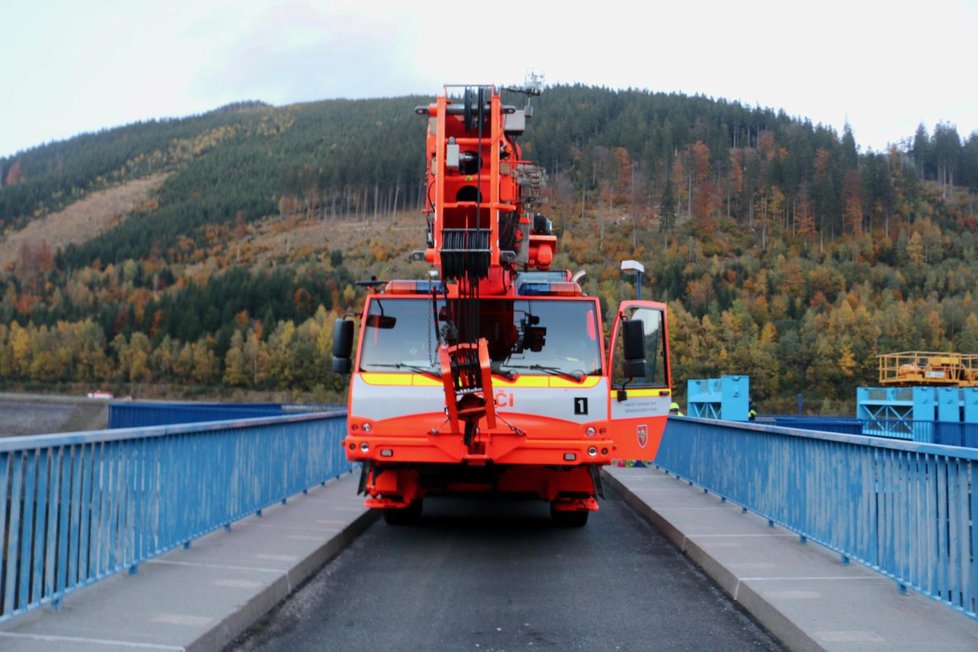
{"points": [[910, 368]]}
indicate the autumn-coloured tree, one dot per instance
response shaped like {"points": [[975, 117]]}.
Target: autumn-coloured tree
{"points": [[852, 207], [235, 365], [256, 356], [14, 174], [206, 369], [703, 189]]}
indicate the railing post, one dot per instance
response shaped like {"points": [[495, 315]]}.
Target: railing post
{"points": [[973, 484]]}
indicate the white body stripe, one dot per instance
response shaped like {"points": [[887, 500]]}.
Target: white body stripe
{"points": [[556, 402], [388, 401]]}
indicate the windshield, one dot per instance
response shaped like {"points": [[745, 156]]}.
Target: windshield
{"points": [[526, 336], [398, 333]]}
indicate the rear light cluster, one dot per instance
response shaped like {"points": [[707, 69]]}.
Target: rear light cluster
{"points": [[592, 451], [365, 448]]}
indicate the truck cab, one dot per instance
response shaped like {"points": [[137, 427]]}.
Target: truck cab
{"points": [[564, 403]]}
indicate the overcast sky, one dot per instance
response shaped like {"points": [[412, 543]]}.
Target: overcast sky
{"points": [[68, 67]]}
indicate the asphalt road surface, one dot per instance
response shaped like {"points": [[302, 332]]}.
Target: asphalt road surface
{"points": [[500, 576]]}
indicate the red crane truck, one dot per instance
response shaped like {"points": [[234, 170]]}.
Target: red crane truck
{"points": [[493, 375]]}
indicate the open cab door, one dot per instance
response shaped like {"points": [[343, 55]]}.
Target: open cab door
{"points": [[641, 379]]}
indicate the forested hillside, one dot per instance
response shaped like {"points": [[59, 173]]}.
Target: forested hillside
{"points": [[785, 252]]}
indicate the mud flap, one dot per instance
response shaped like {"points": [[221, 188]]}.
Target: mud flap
{"points": [[596, 479], [364, 476]]}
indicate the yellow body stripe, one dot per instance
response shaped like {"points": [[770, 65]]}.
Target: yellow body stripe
{"points": [[641, 392], [424, 380]]}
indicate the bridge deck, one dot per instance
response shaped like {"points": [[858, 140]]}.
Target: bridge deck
{"points": [[202, 598]]}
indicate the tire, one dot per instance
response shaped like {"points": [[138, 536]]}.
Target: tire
{"points": [[403, 515], [576, 518]]}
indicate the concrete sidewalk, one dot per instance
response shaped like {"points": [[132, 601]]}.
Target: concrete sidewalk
{"points": [[203, 597], [801, 592]]}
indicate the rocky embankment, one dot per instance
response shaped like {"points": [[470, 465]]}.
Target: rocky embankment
{"points": [[38, 414]]}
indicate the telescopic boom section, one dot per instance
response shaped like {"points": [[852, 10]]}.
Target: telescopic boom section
{"points": [[481, 194], [481, 228]]}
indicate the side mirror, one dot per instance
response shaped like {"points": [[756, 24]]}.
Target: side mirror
{"points": [[342, 346], [633, 341]]}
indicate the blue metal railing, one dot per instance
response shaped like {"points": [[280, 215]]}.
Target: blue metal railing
{"points": [[75, 508], [844, 425], [903, 508], [947, 433], [123, 414]]}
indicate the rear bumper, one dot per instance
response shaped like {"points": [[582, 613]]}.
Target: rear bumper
{"points": [[567, 488]]}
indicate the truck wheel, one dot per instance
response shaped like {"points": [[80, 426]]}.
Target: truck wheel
{"points": [[403, 515], [576, 518]]}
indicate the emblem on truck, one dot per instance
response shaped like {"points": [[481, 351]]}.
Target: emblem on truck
{"points": [[642, 432]]}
